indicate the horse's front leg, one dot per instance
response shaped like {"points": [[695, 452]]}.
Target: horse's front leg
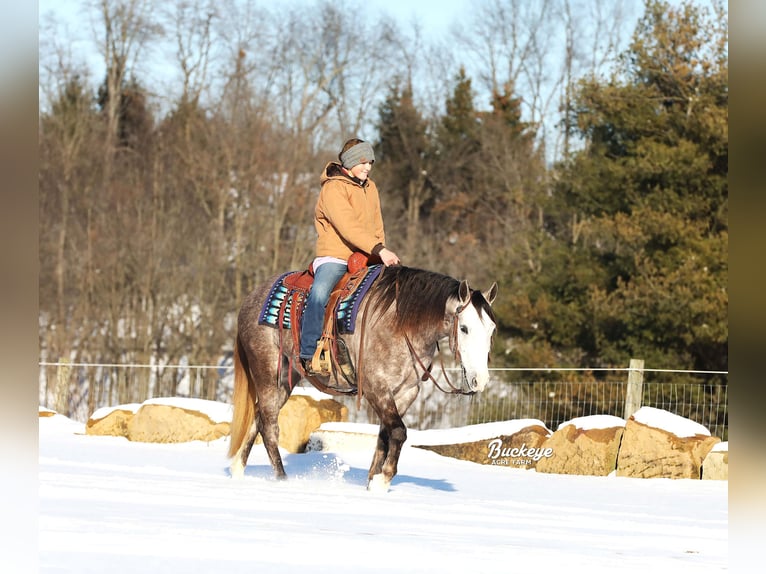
{"points": [[385, 463], [391, 437], [381, 450]]}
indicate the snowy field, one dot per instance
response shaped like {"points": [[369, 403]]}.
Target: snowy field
{"points": [[110, 505]]}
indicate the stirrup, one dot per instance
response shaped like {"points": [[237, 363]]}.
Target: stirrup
{"points": [[307, 368], [345, 364], [320, 362]]}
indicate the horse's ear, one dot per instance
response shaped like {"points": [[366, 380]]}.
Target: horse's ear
{"points": [[490, 293], [464, 292]]}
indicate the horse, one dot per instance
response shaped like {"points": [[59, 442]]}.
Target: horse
{"points": [[406, 313]]}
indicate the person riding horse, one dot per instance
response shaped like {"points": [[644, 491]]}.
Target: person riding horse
{"points": [[348, 219], [403, 317]]}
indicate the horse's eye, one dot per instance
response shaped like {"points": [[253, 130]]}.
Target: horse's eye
{"points": [[464, 329]]}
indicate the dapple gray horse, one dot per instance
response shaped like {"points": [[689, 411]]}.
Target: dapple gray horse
{"points": [[406, 314]]}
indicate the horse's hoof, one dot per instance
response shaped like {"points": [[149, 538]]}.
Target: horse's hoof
{"points": [[237, 470], [378, 484]]}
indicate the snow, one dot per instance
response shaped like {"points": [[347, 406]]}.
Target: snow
{"points": [[104, 412], [111, 505], [472, 433], [216, 411], [593, 422], [679, 426]]}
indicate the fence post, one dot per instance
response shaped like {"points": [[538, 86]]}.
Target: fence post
{"points": [[211, 388], [635, 388], [61, 399]]}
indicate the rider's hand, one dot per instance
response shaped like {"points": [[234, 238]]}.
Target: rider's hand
{"points": [[389, 257]]}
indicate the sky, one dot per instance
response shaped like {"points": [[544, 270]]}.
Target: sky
{"points": [[111, 505], [436, 16], [73, 21]]}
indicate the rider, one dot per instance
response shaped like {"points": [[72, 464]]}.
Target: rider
{"points": [[347, 218]]}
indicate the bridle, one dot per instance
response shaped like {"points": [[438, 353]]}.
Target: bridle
{"points": [[454, 347]]}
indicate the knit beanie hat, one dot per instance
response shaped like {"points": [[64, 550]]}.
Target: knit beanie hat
{"points": [[360, 153]]}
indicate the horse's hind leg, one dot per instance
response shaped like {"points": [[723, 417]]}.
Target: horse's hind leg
{"points": [[271, 399], [239, 461], [270, 432]]}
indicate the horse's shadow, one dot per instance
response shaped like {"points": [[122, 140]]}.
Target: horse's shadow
{"points": [[318, 466]]}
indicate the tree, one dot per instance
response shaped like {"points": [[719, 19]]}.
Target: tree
{"points": [[490, 182], [127, 27], [512, 194], [644, 206], [403, 167], [69, 170], [160, 212], [456, 147], [541, 48]]}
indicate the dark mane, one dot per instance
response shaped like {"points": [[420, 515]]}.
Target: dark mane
{"points": [[420, 296]]}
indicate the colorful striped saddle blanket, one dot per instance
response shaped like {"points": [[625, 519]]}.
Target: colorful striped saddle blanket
{"points": [[288, 294]]}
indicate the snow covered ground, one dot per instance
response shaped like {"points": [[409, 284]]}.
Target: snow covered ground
{"points": [[110, 505]]}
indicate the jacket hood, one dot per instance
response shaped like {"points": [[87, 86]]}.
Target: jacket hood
{"points": [[333, 170]]}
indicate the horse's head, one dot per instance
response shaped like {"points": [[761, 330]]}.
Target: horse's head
{"points": [[471, 334]]}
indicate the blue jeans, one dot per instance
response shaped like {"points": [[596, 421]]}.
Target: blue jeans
{"points": [[325, 278]]}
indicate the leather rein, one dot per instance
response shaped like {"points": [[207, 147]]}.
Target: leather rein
{"points": [[454, 347]]}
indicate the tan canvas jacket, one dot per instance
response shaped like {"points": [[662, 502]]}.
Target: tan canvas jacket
{"points": [[347, 216]]}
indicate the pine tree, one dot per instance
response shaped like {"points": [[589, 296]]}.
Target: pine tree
{"points": [[457, 143], [134, 118], [644, 206], [402, 170]]}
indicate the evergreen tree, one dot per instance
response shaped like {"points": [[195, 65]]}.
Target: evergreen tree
{"points": [[134, 118], [402, 168], [457, 143], [459, 124], [506, 110], [643, 220]]}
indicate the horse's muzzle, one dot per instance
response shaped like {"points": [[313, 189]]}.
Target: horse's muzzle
{"points": [[471, 385], [476, 383]]}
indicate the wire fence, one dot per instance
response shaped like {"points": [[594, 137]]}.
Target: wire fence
{"points": [[78, 389], [561, 401]]}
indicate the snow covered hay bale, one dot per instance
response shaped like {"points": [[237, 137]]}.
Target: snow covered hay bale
{"points": [[45, 413], [337, 437], [660, 444], [515, 443], [302, 415], [111, 421], [172, 420], [716, 463], [585, 445]]}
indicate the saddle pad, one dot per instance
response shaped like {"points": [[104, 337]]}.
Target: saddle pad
{"points": [[277, 297], [280, 300]]}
